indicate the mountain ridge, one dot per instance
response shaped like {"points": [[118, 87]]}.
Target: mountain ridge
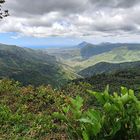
{"points": [[108, 68], [31, 66], [81, 58]]}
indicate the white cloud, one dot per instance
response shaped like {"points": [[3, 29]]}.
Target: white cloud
{"points": [[78, 18]]}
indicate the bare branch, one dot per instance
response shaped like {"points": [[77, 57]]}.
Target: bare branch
{"points": [[3, 13]]}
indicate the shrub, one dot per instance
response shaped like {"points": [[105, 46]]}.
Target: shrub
{"points": [[115, 116]]}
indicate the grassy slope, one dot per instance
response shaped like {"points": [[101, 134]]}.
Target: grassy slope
{"points": [[122, 54]]}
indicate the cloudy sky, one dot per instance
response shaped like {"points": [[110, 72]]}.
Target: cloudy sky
{"points": [[67, 22]]}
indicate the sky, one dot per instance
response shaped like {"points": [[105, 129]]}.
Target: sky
{"points": [[52, 23]]}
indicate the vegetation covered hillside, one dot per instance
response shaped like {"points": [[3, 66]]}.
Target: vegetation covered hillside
{"points": [[87, 54], [109, 68], [128, 78], [90, 50], [45, 114], [117, 55], [31, 66]]}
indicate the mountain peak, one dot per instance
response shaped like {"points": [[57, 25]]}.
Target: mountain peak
{"points": [[83, 44]]}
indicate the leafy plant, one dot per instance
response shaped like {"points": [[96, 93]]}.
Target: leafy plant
{"points": [[120, 112], [80, 123], [35, 112], [114, 117]]}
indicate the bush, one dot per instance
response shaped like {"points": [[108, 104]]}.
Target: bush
{"points": [[25, 112], [115, 117], [28, 113]]}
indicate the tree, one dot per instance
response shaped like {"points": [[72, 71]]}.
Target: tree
{"points": [[3, 13]]}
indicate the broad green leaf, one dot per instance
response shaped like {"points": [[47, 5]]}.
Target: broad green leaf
{"points": [[59, 116], [124, 90], [85, 136], [77, 103], [125, 98], [98, 96], [107, 107], [66, 109], [85, 120]]}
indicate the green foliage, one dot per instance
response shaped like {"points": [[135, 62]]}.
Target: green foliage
{"points": [[80, 123], [120, 113], [115, 117], [109, 68], [129, 78], [33, 67], [37, 112], [19, 125], [25, 112]]}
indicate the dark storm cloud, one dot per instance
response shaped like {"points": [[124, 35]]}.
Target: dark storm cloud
{"points": [[114, 3], [37, 7], [71, 6]]}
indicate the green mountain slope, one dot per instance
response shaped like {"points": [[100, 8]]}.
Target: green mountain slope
{"points": [[114, 75], [108, 68], [86, 54], [31, 67], [90, 50], [121, 54]]}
